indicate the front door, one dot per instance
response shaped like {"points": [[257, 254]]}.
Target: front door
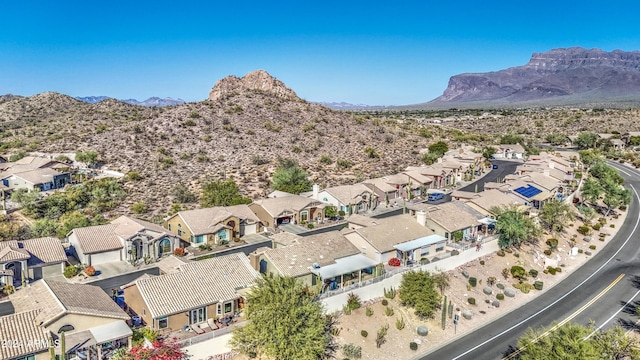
{"points": [[197, 316]]}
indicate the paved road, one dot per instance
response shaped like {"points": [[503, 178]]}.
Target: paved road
{"points": [[600, 291], [505, 168]]}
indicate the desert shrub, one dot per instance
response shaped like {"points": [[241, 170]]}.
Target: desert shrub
{"points": [[400, 323], [506, 273], [471, 301], [310, 226], [518, 272], [70, 271], [368, 311], [346, 310], [602, 221], [524, 287], [413, 346], [204, 247], [584, 229], [90, 270], [385, 302], [623, 208], [491, 280], [481, 262], [551, 270], [538, 285], [388, 311], [592, 247], [500, 296], [533, 272], [508, 250], [580, 251], [473, 281], [552, 243], [612, 226], [547, 252], [381, 336], [596, 226], [389, 294], [500, 253], [352, 351], [364, 333], [558, 269]]}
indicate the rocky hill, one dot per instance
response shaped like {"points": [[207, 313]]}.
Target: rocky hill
{"points": [[248, 123], [558, 77]]}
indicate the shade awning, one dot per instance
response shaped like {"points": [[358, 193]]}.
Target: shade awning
{"points": [[487, 221], [112, 331], [420, 242], [345, 265]]}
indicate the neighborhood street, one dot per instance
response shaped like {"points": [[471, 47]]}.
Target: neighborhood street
{"points": [[599, 291]]}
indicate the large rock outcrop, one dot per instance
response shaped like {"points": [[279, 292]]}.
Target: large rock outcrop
{"points": [[258, 80], [572, 75]]}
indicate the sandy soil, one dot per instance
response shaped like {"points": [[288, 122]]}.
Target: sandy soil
{"points": [[397, 344]]}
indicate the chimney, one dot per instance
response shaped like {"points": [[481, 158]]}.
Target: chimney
{"points": [[421, 216], [253, 260], [316, 191]]}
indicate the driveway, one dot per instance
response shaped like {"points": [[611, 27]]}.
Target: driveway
{"points": [[505, 167]]}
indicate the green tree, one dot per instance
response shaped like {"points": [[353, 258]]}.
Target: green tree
{"points": [[139, 208], [442, 281], [286, 322], [430, 158], [555, 214], [572, 342], [289, 177], [417, 290], [586, 140], [514, 227], [222, 193], [488, 151], [439, 147], [591, 190], [556, 139], [511, 139], [182, 194], [330, 211], [88, 157], [589, 157]]}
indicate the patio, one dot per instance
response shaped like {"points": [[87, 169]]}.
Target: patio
{"points": [[346, 271]]}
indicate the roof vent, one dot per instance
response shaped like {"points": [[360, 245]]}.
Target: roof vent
{"points": [[316, 266]]}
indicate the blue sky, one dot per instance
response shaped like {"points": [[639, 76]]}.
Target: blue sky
{"points": [[376, 53]]}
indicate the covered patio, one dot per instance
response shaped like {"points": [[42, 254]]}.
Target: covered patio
{"points": [[346, 271], [99, 342], [413, 251]]}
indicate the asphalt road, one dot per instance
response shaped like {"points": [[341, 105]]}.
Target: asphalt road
{"points": [[604, 290], [505, 168]]}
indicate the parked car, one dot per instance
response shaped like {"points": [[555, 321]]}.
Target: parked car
{"points": [[436, 196]]}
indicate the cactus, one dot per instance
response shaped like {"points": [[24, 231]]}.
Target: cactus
{"points": [[450, 309], [473, 281], [444, 313]]}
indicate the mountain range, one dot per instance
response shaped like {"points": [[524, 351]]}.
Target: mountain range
{"points": [[566, 76], [152, 101]]}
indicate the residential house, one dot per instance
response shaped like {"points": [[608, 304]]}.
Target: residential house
{"points": [[303, 256], [290, 209], [618, 144], [351, 199], [215, 225], [440, 175], [510, 151], [529, 194], [29, 260], [93, 324], [397, 236], [200, 291], [144, 240], [423, 182], [449, 218], [124, 239], [490, 199], [386, 193], [631, 138], [463, 195], [357, 221], [32, 172]]}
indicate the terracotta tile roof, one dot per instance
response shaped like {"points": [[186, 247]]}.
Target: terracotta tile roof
{"points": [[417, 176], [491, 198], [381, 184], [392, 231], [207, 220], [200, 283], [464, 194], [45, 250], [25, 335], [54, 299], [452, 216], [12, 251], [170, 264], [127, 227], [276, 206], [362, 220], [516, 148], [296, 259], [349, 194], [96, 239]]}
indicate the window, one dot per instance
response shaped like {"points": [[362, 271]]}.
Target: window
{"points": [[163, 323], [179, 232], [66, 328], [169, 227], [227, 307], [197, 316], [144, 312], [219, 309]]}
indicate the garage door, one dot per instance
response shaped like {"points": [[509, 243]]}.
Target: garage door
{"points": [[105, 257]]}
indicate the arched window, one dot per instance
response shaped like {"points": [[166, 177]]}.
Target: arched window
{"points": [[66, 328]]}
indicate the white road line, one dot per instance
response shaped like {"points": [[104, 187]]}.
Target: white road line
{"points": [[614, 315], [635, 227]]}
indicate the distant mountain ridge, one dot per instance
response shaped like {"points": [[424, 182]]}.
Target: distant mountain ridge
{"points": [[348, 106], [152, 101], [560, 76]]}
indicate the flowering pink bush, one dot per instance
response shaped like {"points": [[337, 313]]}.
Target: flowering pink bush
{"points": [[394, 262]]}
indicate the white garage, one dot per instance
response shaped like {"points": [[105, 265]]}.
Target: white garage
{"points": [[95, 245]]}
